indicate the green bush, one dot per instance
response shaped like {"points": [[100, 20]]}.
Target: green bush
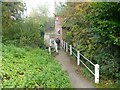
{"points": [[108, 65], [29, 34]]}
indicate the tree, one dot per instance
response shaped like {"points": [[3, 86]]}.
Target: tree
{"points": [[12, 11], [31, 29], [106, 24], [95, 31], [106, 27]]}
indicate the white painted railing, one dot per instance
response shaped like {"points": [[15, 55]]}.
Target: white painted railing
{"points": [[54, 45], [78, 56]]}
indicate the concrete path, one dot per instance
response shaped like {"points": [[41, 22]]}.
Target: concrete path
{"points": [[76, 79]]}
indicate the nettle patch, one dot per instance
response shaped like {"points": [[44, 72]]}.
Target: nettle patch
{"points": [[31, 68]]}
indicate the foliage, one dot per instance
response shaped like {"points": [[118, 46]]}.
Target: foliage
{"points": [[79, 34], [31, 29], [29, 34], [12, 11], [105, 25], [108, 65], [105, 22], [95, 31], [42, 16], [25, 67]]}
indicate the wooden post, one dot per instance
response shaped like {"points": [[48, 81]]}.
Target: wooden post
{"points": [[96, 73]]}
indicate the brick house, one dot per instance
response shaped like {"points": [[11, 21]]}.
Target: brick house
{"points": [[58, 27]]}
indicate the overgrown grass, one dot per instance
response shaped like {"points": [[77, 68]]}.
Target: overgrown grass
{"points": [[25, 67], [106, 84]]}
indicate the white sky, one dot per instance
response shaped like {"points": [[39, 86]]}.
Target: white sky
{"points": [[36, 3]]}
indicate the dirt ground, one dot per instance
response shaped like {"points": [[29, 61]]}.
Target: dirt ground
{"points": [[76, 79]]}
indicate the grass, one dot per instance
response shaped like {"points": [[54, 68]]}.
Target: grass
{"points": [[25, 67], [106, 84]]}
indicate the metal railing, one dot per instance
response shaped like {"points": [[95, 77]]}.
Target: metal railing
{"points": [[78, 55]]}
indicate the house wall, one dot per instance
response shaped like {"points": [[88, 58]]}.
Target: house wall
{"points": [[58, 27]]}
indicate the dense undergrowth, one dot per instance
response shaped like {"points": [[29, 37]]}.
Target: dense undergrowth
{"points": [[93, 28], [26, 67]]}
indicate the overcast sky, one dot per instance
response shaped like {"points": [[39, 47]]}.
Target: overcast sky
{"points": [[36, 3]]}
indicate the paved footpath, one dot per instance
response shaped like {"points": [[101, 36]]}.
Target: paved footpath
{"points": [[77, 80]]}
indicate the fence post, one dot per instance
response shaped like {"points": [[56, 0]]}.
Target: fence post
{"points": [[78, 58], [49, 49], [56, 47], [50, 43], [66, 47], [64, 44], [70, 49], [96, 73]]}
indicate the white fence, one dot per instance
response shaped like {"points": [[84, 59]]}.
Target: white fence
{"points": [[69, 48], [54, 45]]}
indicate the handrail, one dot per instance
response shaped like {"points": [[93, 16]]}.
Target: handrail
{"points": [[55, 46], [87, 67], [74, 54], [87, 59], [84, 57], [74, 49], [96, 73]]}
